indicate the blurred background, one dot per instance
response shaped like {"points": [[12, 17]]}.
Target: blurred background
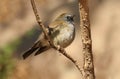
{"points": [[19, 30]]}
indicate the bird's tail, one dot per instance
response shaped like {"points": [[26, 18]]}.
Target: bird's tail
{"points": [[38, 47], [31, 50], [42, 49]]}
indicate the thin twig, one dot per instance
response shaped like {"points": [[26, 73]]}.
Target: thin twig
{"points": [[39, 20], [72, 60], [60, 49], [86, 40]]}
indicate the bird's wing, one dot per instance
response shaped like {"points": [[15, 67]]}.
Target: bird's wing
{"points": [[55, 24]]}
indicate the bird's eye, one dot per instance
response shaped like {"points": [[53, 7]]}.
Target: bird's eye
{"points": [[69, 18]]}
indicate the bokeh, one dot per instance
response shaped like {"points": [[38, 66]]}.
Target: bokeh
{"points": [[19, 30]]}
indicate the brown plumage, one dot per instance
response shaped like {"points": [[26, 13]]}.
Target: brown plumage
{"points": [[62, 33]]}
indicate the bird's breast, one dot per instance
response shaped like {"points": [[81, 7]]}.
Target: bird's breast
{"points": [[64, 35]]}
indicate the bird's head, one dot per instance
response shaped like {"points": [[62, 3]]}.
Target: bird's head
{"points": [[66, 17]]}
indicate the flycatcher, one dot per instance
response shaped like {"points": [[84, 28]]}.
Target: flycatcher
{"points": [[61, 31]]}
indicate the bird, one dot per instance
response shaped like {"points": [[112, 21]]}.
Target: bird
{"points": [[61, 32]]}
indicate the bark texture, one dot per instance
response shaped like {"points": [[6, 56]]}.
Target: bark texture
{"points": [[88, 66]]}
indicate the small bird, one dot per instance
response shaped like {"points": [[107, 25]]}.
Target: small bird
{"points": [[61, 32]]}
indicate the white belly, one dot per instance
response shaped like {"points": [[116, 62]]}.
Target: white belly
{"points": [[65, 36]]}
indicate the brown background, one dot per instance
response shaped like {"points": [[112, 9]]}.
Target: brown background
{"points": [[17, 18]]}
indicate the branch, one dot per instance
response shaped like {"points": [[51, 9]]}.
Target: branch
{"points": [[86, 40], [60, 49], [39, 20]]}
